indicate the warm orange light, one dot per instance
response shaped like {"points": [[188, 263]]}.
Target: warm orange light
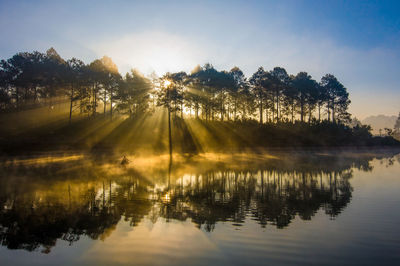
{"points": [[167, 83]]}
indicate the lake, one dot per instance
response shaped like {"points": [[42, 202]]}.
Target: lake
{"points": [[277, 208]]}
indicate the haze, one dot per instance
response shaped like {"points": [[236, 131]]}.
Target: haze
{"points": [[358, 41]]}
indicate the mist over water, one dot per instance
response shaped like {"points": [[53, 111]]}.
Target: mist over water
{"points": [[199, 132], [275, 208]]}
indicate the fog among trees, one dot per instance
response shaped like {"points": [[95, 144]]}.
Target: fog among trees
{"points": [[30, 79], [276, 107]]}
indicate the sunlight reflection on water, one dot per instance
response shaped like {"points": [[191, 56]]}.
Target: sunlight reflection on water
{"points": [[278, 208]]}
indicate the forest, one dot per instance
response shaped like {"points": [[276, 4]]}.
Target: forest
{"points": [[274, 107]]}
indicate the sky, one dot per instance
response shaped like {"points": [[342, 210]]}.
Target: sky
{"points": [[357, 41]]}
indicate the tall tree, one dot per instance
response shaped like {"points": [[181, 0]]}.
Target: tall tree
{"points": [[260, 82], [166, 94], [110, 79], [322, 98], [5, 93], [133, 94], [290, 97], [204, 80], [279, 81], [54, 68], [176, 90], [338, 97], [305, 87], [238, 88], [99, 75], [74, 77]]}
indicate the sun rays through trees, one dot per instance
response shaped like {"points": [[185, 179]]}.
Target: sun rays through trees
{"points": [[41, 92]]}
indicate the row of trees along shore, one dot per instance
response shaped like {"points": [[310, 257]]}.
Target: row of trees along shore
{"points": [[29, 80]]}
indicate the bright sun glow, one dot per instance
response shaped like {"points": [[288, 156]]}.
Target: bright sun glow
{"points": [[167, 83], [153, 51]]}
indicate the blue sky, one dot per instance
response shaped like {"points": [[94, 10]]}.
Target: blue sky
{"points": [[358, 41]]}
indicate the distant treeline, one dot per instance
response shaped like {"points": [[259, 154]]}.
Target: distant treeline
{"points": [[31, 79]]}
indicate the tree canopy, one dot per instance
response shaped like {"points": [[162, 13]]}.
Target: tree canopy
{"points": [[31, 79]]}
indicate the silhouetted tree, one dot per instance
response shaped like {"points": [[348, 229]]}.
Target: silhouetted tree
{"points": [[260, 82], [337, 96], [279, 82], [133, 94], [74, 77], [240, 87], [274, 98], [110, 80], [306, 88]]}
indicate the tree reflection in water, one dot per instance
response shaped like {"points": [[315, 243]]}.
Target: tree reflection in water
{"points": [[46, 202]]}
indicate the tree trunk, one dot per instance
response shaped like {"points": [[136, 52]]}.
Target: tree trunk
{"points": [[235, 110], [301, 111], [17, 97], [319, 112], [111, 102], [261, 111], [105, 102], [293, 112], [277, 107], [94, 99], [273, 109], [182, 109], [169, 132], [329, 112], [70, 106], [222, 110]]}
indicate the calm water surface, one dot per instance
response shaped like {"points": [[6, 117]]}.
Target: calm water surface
{"points": [[278, 209]]}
